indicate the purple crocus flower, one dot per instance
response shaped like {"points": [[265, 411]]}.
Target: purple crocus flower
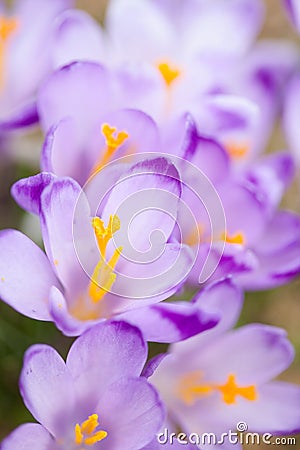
{"points": [[104, 261], [257, 252], [25, 47], [96, 399], [213, 381]]}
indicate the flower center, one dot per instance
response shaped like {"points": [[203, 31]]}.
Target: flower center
{"points": [[169, 72], [7, 27], [87, 434], [86, 307], [190, 389], [113, 140], [103, 276]]}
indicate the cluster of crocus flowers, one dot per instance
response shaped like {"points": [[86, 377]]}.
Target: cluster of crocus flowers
{"points": [[157, 210]]}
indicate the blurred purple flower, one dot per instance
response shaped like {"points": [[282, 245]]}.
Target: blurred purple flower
{"points": [[97, 399], [26, 37], [212, 381], [257, 252]]}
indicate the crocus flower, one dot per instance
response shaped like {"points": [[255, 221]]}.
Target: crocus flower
{"points": [[212, 382], [96, 399], [104, 261], [25, 47], [256, 251]]}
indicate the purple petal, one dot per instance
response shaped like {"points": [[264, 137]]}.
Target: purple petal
{"points": [[65, 322], [24, 117], [77, 37], [171, 322], [277, 410], [152, 365], [25, 275], [245, 212], [282, 231], [255, 353], [293, 10], [224, 298], [47, 388], [271, 176], [131, 413], [291, 114], [142, 284], [58, 205], [146, 199], [30, 436], [27, 192], [103, 355], [79, 90]]}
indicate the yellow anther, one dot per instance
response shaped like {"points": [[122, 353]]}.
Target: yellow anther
{"points": [[89, 425], [237, 150], [86, 432], [99, 436], [169, 73], [237, 238], [78, 434], [190, 389], [103, 276]]}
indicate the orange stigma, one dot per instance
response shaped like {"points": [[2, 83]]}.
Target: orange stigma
{"points": [[113, 140], [168, 72], [190, 389]]}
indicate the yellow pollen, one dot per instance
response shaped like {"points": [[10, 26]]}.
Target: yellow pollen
{"points": [[103, 276], [237, 238], [87, 434], [169, 73], [7, 27], [237, 150], [190, 389]]}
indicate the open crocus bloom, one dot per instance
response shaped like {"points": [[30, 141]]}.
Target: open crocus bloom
{"points": [[250, 246], [102, 262], [96, 400], [25, 43], [213, 381]]}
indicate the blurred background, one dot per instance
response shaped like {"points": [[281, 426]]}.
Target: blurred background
{"points": [[280, 307]]}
